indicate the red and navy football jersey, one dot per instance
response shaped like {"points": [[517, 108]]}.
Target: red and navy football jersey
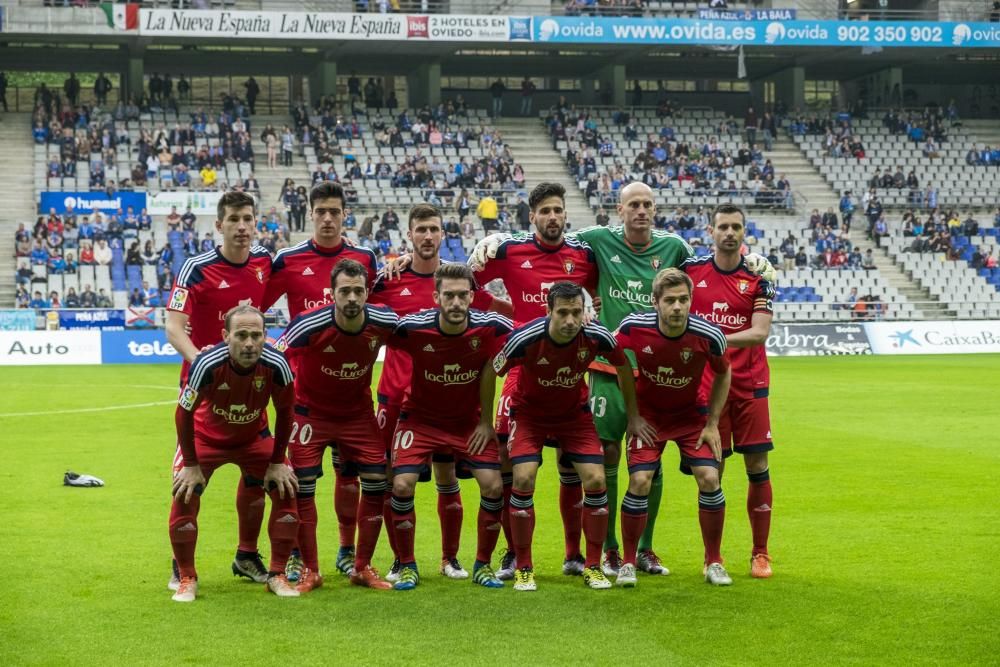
{"points": [[671, 369], [230, 403], [411, 293], [208, 286], [302, 272], [552, 383], [443, 387], [529, 268], [728, 299], [335, 366]]}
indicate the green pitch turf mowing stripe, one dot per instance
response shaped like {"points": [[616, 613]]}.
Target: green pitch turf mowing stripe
{"points": [[884, 542]]}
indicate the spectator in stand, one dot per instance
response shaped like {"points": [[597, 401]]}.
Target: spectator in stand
{"points": [[527, 96], [868, 261], [487, 210], [72, 300], [87, 252], [22, 241], [151, 295], [54, 301], [87, 297], [134, 255], [22, 299], [102, 253], [103, 300], [801, 259], [38, 301], [496, 92]]}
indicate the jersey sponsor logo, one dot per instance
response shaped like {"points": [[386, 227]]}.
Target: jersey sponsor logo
{"points": [[565, 378], [224, 386], [236, 414], [308, 271], [428, 348], [541, 297], [187, 398], [664, 377], [615, 259], [223, 285], [406, 292], [178, 298], [721, 316], [634, 293], [701, 283], [309, 304], [526, 264], [347, 371], [647, 350], [452, 374], [242, 302]]}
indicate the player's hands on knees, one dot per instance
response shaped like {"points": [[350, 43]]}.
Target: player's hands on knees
{"points": [[187, 482], [281, 478], [710, 436], [480, 438], [393, 269], [640, 428]]}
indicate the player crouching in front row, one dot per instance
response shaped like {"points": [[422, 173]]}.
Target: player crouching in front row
{"points": [[222, 418], [672, 348], [548, 404]]}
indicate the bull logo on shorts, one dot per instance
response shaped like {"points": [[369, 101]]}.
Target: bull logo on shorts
{"points": [[686, 355], [258, 382]]}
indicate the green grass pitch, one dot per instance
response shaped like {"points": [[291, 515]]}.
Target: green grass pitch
{"points": [[885, 538]]}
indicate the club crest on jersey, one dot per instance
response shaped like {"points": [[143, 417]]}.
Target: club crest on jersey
{"points": [[569, 266], [656, 262], [258, 382], [744, 286], [474, 342], [686, 354], [372, 344], [582, 353], [260, 276]]}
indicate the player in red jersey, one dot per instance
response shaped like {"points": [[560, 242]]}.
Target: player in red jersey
{"points": [[442, 412], [335, 348], [550, 404], [529, 267], [413, 292], [673, 351], [222, 418], [206, 288], [737, 300], [302, 274]]}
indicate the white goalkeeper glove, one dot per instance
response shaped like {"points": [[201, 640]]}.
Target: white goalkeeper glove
{"points": [[486, 250], [759, 265]]}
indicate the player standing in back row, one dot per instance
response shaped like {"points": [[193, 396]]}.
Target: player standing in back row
{"points": [[206, 288], [737, 300], [302, 274]]}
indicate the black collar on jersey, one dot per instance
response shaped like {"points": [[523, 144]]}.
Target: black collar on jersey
{"points": [[548, 335], [322, 250], [240, 370], [333, 316], [544, 247], [218, 252], [687, 325], [437, 324], [739, 266]]}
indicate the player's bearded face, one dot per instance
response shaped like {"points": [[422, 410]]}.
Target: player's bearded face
{"points": [[349, 295], [454, 299], [728, 232], [237, 227], [245, 339], [426, 237], [549, 219], [328, 219], [673, 306]]}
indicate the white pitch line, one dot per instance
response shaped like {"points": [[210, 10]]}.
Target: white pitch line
{"points": [[79, 410]]}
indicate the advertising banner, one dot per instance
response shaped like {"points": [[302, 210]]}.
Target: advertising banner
{"points": [[46, 348], [886, 34], [138, 347], [200, 203], [84, 202], [815, 340], [934, 337], [328, 26], [747, 14], [106, 319], [22, 319]]}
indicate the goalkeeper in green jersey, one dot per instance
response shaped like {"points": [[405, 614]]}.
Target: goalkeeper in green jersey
{"points": [[628, 258]]}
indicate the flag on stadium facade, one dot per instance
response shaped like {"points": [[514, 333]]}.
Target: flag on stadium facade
{"points": [[741, 65], [122, 16]]}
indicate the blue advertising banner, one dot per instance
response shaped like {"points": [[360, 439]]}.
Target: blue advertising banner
{"points": [[746, 14], [105, 319], [145, 346], [84, 202], [17, 320], [586, 30]]}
